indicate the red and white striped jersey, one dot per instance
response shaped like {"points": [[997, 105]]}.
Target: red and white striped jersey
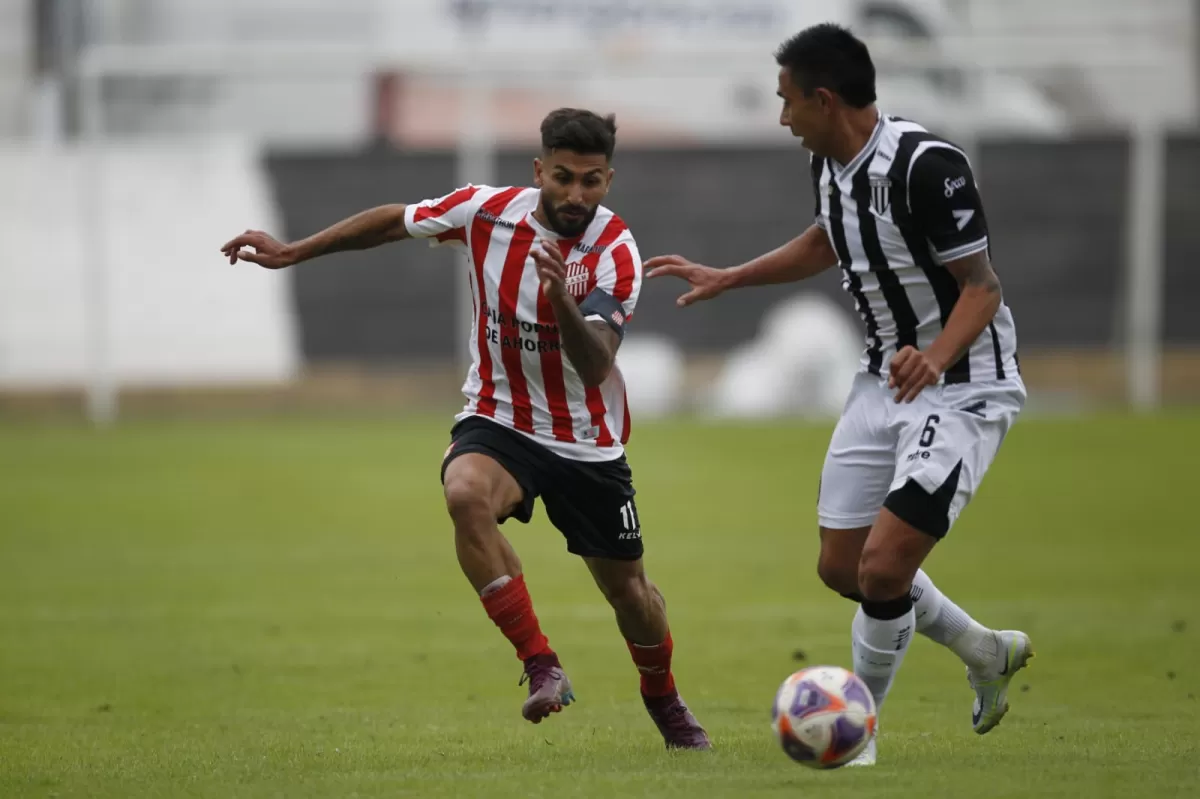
{"points": [[520, 376]]}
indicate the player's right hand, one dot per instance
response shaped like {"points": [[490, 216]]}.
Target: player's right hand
{"points": [[267, 252], [706, 282]]}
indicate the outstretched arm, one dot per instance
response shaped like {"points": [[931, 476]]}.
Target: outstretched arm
{"points": [[807, 255], [443, 218], [362, 231]]}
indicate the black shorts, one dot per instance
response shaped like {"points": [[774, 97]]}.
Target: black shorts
{"points": [[591, 504]]}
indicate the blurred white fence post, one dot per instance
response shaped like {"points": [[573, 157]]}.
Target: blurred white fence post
{"points": [[1144, 260], [476, 164], [101, 389]]}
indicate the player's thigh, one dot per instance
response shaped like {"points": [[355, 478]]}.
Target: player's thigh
{"points": [[488, 464], [593, 506], [860, 462], [949, 438]]}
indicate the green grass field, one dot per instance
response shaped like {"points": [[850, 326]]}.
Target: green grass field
{"points": [[272, 608]]}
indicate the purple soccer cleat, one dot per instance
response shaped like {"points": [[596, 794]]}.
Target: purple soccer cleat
{"points": [[549, 688], [678, 726]]}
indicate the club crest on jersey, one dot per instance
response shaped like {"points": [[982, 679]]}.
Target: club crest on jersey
{"points": [[881, 194], [577, 279]]}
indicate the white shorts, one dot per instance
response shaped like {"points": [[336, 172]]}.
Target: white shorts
{"points": [[944, 441]]}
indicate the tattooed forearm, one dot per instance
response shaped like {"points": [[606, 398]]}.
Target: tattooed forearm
{"points": [[591, 347], [975, 271], [362, 231], [978, 301]]}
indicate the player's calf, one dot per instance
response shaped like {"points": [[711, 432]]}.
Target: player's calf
{"points": [[479, 491], [642, 618], [885, 621], [944, 622], [638, 604]]}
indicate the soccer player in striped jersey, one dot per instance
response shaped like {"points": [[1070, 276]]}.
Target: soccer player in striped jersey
{"points": [[898, 210], [555, 278]]}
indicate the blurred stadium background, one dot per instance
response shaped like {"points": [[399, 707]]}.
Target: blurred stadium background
{"points": [[244, 584], [141, 132]]}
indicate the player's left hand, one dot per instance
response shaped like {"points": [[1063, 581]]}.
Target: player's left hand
{"points": [[551, 269], [910, 372], [267, 252]]}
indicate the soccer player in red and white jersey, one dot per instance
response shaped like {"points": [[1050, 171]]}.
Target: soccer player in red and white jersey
{"points": [[555, 277]]}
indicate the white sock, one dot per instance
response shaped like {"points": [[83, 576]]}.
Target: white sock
{"points": [[879, 647], [940, 620], [495, 585]]}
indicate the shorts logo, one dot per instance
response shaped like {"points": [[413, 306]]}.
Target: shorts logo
{"points": [[449, 449], [618, 317], [577, 279], [976, 409]]}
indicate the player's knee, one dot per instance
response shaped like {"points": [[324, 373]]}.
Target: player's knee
{"points": [[879, 578], [839, 577], [467, 498]]}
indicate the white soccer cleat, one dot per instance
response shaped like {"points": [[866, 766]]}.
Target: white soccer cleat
{"points": [[991, 685], [867, 756]]}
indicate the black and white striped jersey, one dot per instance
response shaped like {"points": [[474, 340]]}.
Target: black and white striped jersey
{"points": [[903, 208]]}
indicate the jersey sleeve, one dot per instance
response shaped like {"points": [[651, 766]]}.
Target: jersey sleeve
{"points": [[618, 285], [945, 204], [443, 219]]}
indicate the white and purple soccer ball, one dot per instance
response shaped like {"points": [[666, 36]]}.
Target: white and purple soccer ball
{"points": [[824, 716]]}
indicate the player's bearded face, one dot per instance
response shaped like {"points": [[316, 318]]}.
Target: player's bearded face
{"points": [[568, 218], [573, 186]]}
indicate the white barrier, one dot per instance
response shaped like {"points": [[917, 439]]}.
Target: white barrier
{"points": [[802, 363], [112, 261], [653, 368]]}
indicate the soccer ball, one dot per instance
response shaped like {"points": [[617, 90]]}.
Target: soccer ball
{"points": [[824, 716]]}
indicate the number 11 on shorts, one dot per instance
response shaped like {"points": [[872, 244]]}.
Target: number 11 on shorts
{"points": [[629, 517]]}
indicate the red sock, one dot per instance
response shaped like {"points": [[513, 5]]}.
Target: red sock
{"points": [[512, 610], [654, 662]]}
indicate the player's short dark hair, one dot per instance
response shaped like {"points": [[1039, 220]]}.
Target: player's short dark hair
{"points": [[580, 131], [829, 56]]}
